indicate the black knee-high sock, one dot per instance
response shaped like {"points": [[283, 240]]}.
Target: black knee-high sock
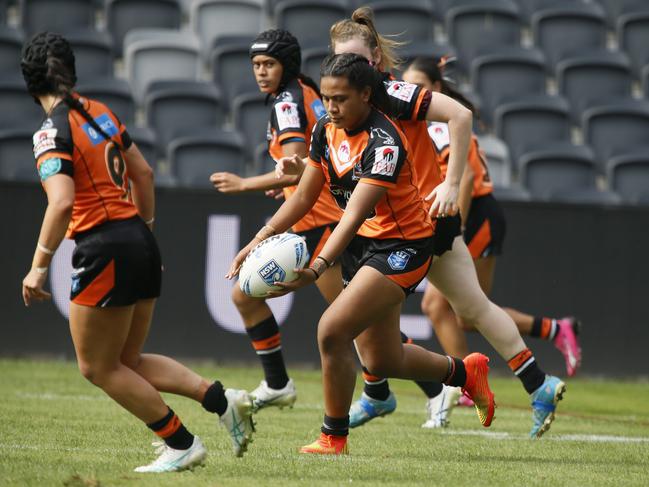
{"points": [[172, 431], [431, 389], [214, 400], [267, 342]]}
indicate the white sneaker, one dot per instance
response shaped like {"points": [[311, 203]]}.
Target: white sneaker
{"points": [[264, 396], [171, 460], [439, 407], [237, 419]]}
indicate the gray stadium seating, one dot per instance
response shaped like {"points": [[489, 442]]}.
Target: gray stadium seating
{"points": [[232, 70], [615, 8], [93, 54], [644, 79], [312, 60], [115, 93], [633, 38], [195, 158], [498, 160], [563, 168], [251, 113], [569, 28], [3, 11], [11, 43], [16, 156], [145, 140], [56, 15], [263, 163], [308, 20], [528, 7], [412, 20], [511, 193], [628, 176], [591, 196], [18, 108]]}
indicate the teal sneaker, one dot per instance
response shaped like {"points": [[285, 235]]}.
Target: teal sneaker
{"points": [[366, 409], [544, 403]]}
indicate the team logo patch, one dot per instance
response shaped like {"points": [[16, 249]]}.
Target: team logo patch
{"points": [[382, 134], [344, 152], [439, 133], [401, 90], [385, 160], [285, 96], [287, 115], [398, 260], [318, 109], [44, 140], [106, 124], [49, 167], [271, 272]]}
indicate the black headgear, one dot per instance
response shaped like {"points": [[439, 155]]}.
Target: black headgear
{"points": [[283, 46], [48, 64]]}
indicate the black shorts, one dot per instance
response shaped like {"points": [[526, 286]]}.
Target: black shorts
{"points": [[446, 229], [316, 238], [404, 262], [116, 264], [485, 227]]}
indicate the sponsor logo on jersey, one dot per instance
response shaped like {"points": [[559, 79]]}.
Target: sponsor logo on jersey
{"points": [[401, 90], [49, 167], [287, 115], [318, 109], [398, 260], [385, 160], [438, 131], [44, 141], [106, 124], [271, 272], [381, 134]]}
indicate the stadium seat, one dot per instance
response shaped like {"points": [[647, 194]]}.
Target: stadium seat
{"points": [[477, 28], [511, 193], [310, 20], [176, 57], [124, 15], [628, 175], [563, 168], [11, 44], [4, 5], [251, 113], [17, 156], [18, 108], [591, 79], [532, 123], [568, 29], [312, 60], [411, 20], [633, 38], [591, 196], [145, 140], [61, 16], [263, 163], [616, 129], [195, 158], [498, 160], [93, 54], [232, 70], [528, 7], [408, 52], [180, 108], [506, 76], [644, 80], [115, 93], [615, 8]]}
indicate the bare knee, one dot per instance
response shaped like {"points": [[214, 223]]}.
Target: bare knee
{"points": [[433, 305], [377, 365], [94, 373], [243, 302], [132, 361], [473, 313], [331, 336]]}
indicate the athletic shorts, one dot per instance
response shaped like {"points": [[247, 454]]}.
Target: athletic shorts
{"points": [[446, 229], [485, 227], [116, 263], [316, 238], [404, 262]]}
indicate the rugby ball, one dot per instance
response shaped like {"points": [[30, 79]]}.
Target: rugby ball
{"points": [[273, 260]]}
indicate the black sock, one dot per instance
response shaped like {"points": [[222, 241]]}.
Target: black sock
{"points": [[431, 389], [375, 387], [215, 400], [456, 373], [172, 431], [524, 366], [268, 344], [335, 426], [544, 328]]}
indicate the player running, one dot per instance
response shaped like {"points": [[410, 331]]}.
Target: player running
{"points": [[100, 192]]}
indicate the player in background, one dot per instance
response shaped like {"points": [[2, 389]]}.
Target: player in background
{"points": [[294, 110], [384, 242], [100, 192], [483, 222]]}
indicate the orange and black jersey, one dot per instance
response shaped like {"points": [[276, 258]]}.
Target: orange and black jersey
{"points": [[294, 113], [440, 135], [66, 143], [376, 152]]}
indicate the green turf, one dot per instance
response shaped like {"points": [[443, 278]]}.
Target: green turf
{"points": [[57, 429]]}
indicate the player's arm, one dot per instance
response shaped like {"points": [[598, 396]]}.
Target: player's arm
{"points": [[466, 193], [142, 188], [60, 200]]}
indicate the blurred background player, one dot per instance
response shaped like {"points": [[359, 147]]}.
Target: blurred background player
{"points": [[294, 110], [100, 192]]}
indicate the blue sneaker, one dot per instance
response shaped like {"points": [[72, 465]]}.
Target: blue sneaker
{"points": [[544, 402], [366, 409]]}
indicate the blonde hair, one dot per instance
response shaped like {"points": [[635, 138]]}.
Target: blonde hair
{"points": [[361, 25]]}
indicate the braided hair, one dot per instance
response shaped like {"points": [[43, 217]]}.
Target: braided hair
{"points": [[48, 67], [359, 74]]}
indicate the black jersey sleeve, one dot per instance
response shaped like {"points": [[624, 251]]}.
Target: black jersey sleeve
{"points": [[318, 144], [384, 154], [53, 146], [407, 101], [288, 118]]}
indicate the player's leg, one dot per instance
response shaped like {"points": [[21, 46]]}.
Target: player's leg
{"points": [[445, 324]]}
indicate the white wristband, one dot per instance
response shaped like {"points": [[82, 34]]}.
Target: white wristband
{"points": [[41, 270], [44, 249]]}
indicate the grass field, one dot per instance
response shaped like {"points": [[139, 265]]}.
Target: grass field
{"points": [[56, 429]]}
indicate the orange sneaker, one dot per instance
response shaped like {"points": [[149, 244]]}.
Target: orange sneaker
{"points": [[327, 445], [477, 387]]}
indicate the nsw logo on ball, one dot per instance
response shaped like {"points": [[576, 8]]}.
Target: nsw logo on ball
{"points": [[271, 272]]}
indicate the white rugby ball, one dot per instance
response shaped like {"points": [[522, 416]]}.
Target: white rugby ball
{"points": [[273, 260]]}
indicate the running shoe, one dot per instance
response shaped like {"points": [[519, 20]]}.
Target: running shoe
{"points": [[465, 401], [237, 419], [367, 408], [264, 396], [477, 387], [171, 460], [544, 403], [439, 407], [567, 343], [327, 445]]}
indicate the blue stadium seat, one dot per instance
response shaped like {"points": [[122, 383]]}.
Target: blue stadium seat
{"points": [[17, 156], [633, 38], [310, 20], [251, 113], [93, 54], [57, 15], [18, 107], [232, 70], [195, 158], [11, 44], [115, 93], [628, 176], [568, 29], [411, 20]]}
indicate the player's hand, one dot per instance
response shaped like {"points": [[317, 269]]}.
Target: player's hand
{"points": [[240, 257], [33, 287], [305, 277], [444, 198], [289, 166], [226, 182], [277, 193]]}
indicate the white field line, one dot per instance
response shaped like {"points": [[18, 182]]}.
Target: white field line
{"points": [[53, 396], [497, 435]]}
